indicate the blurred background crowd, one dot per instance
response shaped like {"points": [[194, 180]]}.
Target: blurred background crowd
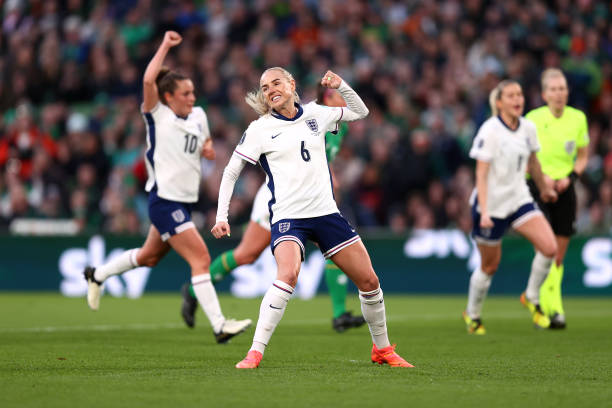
{"points": [[72, 138]]}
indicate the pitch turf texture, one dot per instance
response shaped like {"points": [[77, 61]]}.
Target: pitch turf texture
{"points": [[54, 352]]}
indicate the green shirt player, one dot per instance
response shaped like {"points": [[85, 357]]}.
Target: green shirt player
{"points": [[257, 237], [563, 136]]}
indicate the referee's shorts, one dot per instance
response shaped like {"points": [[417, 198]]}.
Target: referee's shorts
{"points": [[562, 213]]}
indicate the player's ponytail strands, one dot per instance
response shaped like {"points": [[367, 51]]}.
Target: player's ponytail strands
{"points": [[256, 99], [496, 94], [166, 82]]}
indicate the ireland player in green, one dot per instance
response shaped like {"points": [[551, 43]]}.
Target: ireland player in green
{"points": [[257, 237], [563, 136]]}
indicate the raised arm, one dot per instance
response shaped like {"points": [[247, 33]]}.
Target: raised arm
{"points": [[230, 175], [149, 88], [356, 108]]}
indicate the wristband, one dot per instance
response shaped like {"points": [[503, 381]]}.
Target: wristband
{"points": [[573, 176]]}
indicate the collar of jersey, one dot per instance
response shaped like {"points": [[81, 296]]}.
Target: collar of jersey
{"points": [[181, 117], [279, 116], [506, 125]]}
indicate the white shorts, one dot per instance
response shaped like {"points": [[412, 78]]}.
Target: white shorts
{"points": [[261, 212]]}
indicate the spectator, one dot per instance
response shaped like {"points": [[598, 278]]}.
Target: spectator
{"points": [[424, 70]]}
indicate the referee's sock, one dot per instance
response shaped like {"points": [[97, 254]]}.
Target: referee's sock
{"points": [[550, 292]]}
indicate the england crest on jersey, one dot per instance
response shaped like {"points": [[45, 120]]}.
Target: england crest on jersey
{"points": [[312, 125], [284, 227], [178, 216]]}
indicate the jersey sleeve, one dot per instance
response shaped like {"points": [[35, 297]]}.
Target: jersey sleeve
{"points": [[583, 133], [485, 142], [532, 136], [155, 112], [249, 147], [205, 127]]}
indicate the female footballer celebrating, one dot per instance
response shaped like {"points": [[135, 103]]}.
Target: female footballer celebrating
{"points": [[177, 136], [287, 141]]}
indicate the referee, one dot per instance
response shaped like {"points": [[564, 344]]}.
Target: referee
{"points": [[563, 136]]}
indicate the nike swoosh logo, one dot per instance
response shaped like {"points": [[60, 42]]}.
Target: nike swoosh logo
{"points": [[274, 136], [274, 307]]}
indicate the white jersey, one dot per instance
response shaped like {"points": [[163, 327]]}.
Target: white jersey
{"points": [[292, 153], [260, 212], [507, 152], [174, 149]]}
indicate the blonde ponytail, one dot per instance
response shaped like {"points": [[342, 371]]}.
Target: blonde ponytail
{"points": [[256, 99], [496, 94]]}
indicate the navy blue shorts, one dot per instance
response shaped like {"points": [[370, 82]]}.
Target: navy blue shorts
{"points": [[493, 236], [169, 217], [331, 232]]}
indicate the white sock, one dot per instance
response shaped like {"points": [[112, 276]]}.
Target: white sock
{"points": [[117, 265], [207, 297], [539, 271], [270, 313], [479, 287], [373, 309]]}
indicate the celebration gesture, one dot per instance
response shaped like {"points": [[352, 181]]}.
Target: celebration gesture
{"points": [[331, 80], [172, 38], [221, 229]]}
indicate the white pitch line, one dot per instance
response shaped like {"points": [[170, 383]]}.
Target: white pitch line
{"points": [[97, 327], [288, 322]]}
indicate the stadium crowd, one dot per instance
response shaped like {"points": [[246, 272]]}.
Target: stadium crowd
{"points": [[72, 137]]}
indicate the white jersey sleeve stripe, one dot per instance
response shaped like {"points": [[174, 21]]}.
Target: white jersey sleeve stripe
{"points": [[245, 157]]}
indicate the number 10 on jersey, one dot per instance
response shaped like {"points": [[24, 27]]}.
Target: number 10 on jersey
{"points": [[191, 143]]}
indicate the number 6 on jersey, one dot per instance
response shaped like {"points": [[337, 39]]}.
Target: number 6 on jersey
{"points": [[305, 153]]}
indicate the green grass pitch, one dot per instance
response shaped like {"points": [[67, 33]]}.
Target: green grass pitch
{"points": [[54, 352]]}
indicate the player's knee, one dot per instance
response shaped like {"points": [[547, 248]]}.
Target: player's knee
{"points": [[149, 260], [289, 274], [490, 267], [289, 279], [369, 283], [206, 261], [246, 258], [549, 250]]}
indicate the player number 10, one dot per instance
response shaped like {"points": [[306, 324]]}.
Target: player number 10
{"points": [[191, 143]]}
